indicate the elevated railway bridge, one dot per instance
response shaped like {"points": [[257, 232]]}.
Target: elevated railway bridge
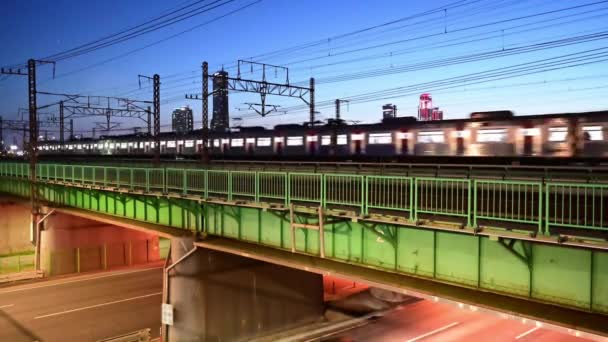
{"points": [[530, 241]]}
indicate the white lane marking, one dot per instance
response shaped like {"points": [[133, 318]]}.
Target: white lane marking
{"points": [[59, 282], [99, 305], [433, 332], [6, 306], [522, 335]]}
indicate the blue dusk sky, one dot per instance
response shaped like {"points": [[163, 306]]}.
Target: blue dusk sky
{"points": [[532, 56]]}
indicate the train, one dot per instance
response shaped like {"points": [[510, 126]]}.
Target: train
{"points": [[497, 134]]}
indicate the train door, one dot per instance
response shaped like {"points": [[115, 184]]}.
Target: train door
{"points": [[312, 144], [528, 132], [404, 140], [357, 141]]}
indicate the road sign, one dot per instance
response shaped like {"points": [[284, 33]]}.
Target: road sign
{"points": [[167, 314]]}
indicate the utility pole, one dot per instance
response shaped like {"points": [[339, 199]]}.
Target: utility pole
{"points": [[312, 101], [1, 136], [205, 93], [149, 121], [71, 129], [93, 133], [156, 103], [61, 124]]}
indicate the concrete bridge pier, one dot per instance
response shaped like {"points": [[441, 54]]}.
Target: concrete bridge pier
{"points": [[223, 296], [71, 244]]}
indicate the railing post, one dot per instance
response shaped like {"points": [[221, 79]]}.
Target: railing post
{"points": [[547, 190], [206, 177], [147, 180], [415, 202], [73, 173], [469, 203], [287, 192], [474, 203], [184, 182], [257, 187], [230, 185], [132, 181], [323, 185], [366, 200]]}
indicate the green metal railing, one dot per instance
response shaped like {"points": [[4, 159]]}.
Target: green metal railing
{"points": [[443, 197], [390, 193], [540, 205], [573, 205], [508, 201]]}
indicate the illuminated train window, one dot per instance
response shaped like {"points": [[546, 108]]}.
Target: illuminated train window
{"points": [[492, 135], [237, 143], [295, 141], [325, 139], [216, 143], [431, 137], [593, 133], [557, 134], [380, 138], [342, 139], [250, 141], [263, 141], [170, 144], [189, 143]]}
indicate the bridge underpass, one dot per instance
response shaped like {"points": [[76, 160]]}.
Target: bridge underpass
{"points": [[556, 277]]}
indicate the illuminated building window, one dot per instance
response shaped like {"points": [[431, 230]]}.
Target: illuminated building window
{"points": [[263, 141], [380, 138], [295, 141], [431, 137], [492, 135], [593, 133], [558, 134]]}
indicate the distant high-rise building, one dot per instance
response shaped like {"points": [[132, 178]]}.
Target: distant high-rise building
{"points": [[389, 111], [220, 119], [182, 120]]}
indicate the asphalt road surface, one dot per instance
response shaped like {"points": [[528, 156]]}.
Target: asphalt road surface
{"points": [[82, 308], [429, 321]]}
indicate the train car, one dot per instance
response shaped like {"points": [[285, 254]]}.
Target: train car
{"points": [[499, 134]]}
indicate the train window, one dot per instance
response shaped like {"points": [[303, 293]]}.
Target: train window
{"points": [[357, 136], [112, 146], [295, 141], [530, 132], [342, 139], [380, 138], [123, 145], [431, 137], [130, 144], [180, 142], [558, 134], [237, 143], [200, 142], [325, 139], [189, 143], [263, 141], [216, 142], [311, 138], [492, 135], [279, 140], [163, 143], [404, 135], [250, 141], [225, 141], [170, 144], [593, 133]]}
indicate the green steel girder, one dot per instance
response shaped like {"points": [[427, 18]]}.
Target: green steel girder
{"points": [[525, 256]]}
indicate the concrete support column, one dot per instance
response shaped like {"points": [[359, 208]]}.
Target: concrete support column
{"points": [[220, 296]]}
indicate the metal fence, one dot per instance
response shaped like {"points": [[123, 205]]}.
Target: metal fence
{"points": [[535, 204], [16, 263]]}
